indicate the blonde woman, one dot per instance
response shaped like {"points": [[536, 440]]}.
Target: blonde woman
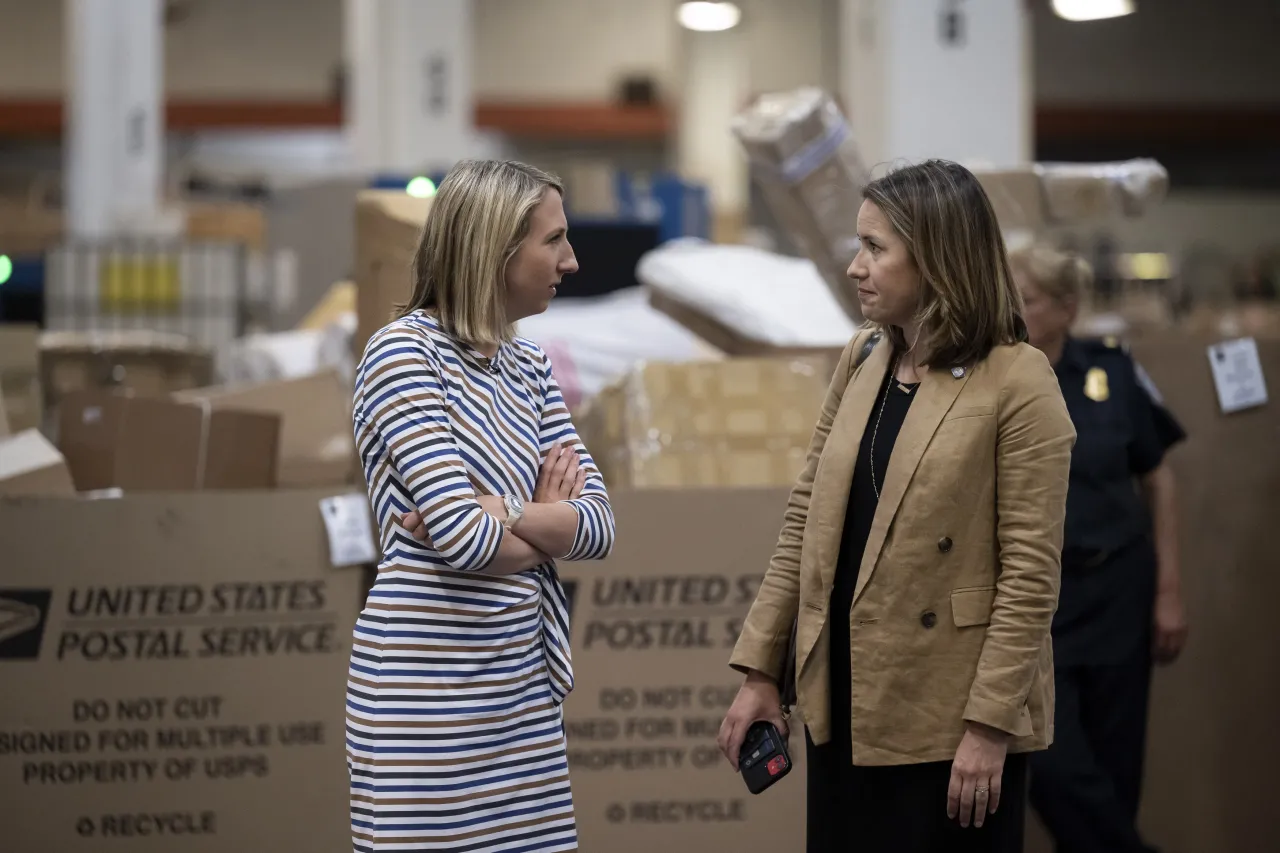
{"points": [[479, 482], [921, 545]]}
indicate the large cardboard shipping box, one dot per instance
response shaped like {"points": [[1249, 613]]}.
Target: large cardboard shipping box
{"points": [[151, 444], [388, 226], [20, 375], [173, 669], [228, 222], [736, 422], [1215, 709], [652, 630], [152, 364], [317, 441]]}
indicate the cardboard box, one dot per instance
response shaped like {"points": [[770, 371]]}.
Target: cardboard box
{"points": [[1017, 197], [317, 441], [652, 629], [1037, 195], [227, 222], [738, 422], [338, 302], [28, 228], [20, 375], [1225, 687], [388, 226], [809, 170], [145, 363], [173, 669], [30, 465], [148, 444]]}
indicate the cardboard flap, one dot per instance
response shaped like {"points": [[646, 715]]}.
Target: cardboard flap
{"points": [[316, 445], [154, 444], [30, 465]]}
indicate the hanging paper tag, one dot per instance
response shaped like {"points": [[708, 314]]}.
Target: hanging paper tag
{"points": [[350, 529], [1237, 374]]}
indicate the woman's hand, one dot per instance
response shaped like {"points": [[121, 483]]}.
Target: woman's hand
{"points": [[757, 699], [1170, 626], [560, 478], [975, 774]]}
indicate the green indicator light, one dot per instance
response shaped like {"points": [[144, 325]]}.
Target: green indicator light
{"points": [[6, 268], [421, 187]]}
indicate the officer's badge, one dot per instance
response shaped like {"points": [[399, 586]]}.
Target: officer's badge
{"points": [[1095, 385]]}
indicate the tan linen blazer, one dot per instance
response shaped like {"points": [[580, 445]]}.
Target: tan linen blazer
{"points": [[959, 580]]}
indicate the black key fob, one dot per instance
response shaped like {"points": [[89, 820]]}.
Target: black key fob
{"points": [[764, 758]]}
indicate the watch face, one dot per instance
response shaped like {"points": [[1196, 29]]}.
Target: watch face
{"points": [[514, 503]]}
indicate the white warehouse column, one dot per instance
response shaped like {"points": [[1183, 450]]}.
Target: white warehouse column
{"points": [[114, 110], [410, 106], [716, 77], [937, 78]]}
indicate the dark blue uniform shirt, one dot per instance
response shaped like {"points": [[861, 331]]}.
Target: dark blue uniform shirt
{"points": [[1122, 433], [1108, 561]]}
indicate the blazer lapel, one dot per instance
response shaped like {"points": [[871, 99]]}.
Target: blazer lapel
{"points": [[830, 496], [938, 390]]}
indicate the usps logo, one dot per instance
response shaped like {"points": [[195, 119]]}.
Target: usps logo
{"points": [[23, 613]]}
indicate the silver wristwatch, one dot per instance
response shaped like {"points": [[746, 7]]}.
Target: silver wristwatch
{"points": [[515, 509]]}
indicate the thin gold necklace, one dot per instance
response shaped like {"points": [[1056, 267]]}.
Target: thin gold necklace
{"points": [[875, 430]]}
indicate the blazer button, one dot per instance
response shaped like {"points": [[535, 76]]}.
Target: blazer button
{"points": [[928, 619], [944, 544]]}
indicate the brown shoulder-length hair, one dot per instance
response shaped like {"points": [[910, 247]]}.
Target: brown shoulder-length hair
{"points": [[968, 300], [477, 220]]}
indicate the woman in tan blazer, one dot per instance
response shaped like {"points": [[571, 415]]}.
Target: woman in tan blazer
{"points": [[920, 548]]}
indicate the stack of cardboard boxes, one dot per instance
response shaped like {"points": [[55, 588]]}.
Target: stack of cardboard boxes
{"points": [[182, 572], [388, 225]]}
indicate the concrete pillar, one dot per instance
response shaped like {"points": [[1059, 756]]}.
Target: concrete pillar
{"points": [[715, 88], [410, 106], [114, 137], [938, 78]]}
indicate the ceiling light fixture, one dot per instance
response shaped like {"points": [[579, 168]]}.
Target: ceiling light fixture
{"points": [[709, 17], [1092, 10]]}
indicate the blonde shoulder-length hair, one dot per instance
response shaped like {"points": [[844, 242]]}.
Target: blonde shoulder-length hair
{"points": [[477, 220], [1062, 276], [969, 303]]}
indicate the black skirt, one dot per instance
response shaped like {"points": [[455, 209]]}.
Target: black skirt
{"points": [[903, 808]]}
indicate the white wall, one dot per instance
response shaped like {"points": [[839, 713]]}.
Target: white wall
{"points": [[570, 49]]}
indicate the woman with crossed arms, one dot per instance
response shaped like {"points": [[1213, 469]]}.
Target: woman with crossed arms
{"points": [[921, 545]]}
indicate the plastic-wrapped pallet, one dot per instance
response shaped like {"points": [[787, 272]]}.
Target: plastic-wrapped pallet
{"points": [[804, 158], [593, 341], [1039, 195], [1081, 191], [739, 422]]}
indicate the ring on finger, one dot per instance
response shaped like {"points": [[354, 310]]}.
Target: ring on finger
{"points": [[982, 789]]}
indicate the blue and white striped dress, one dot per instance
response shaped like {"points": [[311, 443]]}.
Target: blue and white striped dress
{"points": [[454, 733]]}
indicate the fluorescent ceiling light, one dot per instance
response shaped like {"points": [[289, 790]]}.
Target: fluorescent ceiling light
{"points": [[709, 17], [1092, 10]]}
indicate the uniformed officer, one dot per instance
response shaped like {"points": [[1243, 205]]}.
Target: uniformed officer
{"points": [[1120, 607]]}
